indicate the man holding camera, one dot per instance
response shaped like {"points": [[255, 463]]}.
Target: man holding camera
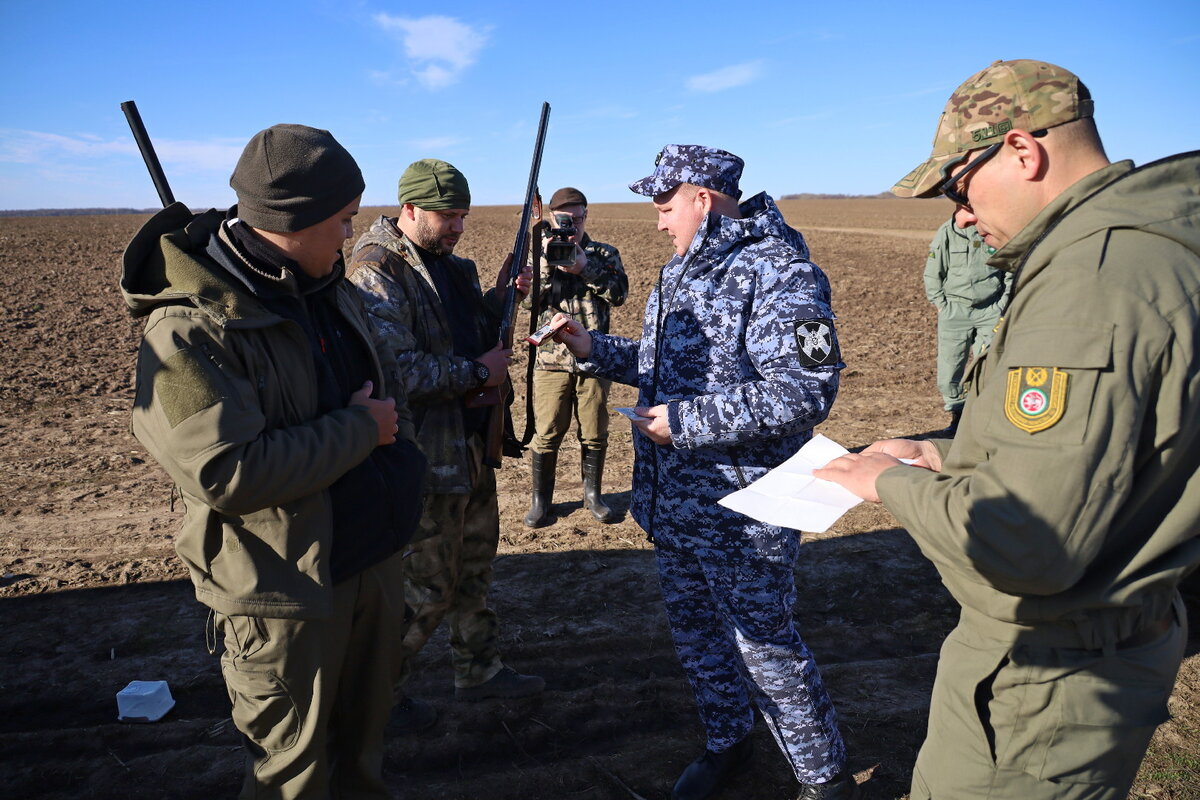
{"points": [[585, 279]]}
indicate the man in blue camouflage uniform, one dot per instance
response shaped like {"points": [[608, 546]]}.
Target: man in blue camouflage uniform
{"points": [[738, 360]]}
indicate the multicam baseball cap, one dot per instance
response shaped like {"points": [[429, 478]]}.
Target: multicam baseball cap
{"points": [[1023, 94], [695, 164]]}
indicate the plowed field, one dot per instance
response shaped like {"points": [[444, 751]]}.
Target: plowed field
{"points": [[92, 595]]}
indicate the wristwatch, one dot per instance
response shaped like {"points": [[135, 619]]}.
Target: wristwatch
{"points": [[481, 372]]}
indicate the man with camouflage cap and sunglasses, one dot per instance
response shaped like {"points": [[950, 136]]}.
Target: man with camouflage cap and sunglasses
{"points": [[1064, 514]]}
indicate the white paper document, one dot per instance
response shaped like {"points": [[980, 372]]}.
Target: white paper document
{"points": [[789, 495]]}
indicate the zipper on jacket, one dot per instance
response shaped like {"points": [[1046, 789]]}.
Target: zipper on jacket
{"points": [[737, 470]]}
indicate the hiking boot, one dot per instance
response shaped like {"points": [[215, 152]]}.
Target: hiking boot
{"points": [[704, 776], [843, 787], [505, 683], [411, 715]]}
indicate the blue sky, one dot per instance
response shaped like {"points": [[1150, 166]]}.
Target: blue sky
{"points": [[837, 97]]}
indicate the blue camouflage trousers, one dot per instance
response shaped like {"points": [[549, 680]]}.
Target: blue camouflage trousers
{"points": [[736, 639]]}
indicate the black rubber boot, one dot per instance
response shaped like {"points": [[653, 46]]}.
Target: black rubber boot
{"points": [[593, 476], [544, 465]]}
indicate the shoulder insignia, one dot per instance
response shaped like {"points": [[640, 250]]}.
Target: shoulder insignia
{"points": [[817, 343], [1036, 397]]}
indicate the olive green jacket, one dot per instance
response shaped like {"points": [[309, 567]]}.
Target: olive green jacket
{"points": [[1068, 505], [957, 270], [226, 402], [401, 297]]}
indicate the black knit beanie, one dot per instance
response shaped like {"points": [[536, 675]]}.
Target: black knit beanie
{"points": [[292, 176]]}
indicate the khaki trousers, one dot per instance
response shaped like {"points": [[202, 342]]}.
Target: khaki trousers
{"points": [[555, 396], [312, 697], [1040, 723]]}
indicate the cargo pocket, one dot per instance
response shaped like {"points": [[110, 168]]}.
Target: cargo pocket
{"points": [[263, 708], [1101, 730], [1045, 383]]}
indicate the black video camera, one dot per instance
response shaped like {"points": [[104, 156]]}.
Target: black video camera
{"points": [[560, 250]]}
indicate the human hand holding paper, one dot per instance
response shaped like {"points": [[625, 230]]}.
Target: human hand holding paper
{"points": [[792, 496]]}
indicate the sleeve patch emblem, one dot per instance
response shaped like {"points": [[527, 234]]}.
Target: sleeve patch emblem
{"points": [[816, 342], [1029, 403]]}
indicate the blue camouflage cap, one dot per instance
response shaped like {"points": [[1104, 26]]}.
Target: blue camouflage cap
{"points": [[696, 164]]}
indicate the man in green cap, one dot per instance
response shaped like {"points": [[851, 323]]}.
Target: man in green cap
{"points": [[1063, 515], [264, 392], [587, 283], [443, 330]]}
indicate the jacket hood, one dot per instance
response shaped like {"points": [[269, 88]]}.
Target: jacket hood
{"points": [[1162, 198], [166, 263], [761, 219]]}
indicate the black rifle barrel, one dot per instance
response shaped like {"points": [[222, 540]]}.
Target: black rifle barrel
{"points": [[519, 245], [148, 155]]}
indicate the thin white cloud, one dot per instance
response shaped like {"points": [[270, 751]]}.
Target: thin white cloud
{"points": [[79, 151], [609, 112], [726, 77], [439, 48], [436, 143]]}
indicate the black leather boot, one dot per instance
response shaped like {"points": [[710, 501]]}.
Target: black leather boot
{"points": [[951, 429], [704, 776], [592, 459], [544, 465], [843, 787]]}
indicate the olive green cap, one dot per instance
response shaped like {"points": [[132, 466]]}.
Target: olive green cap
{"points": [[1022, 94], [434, 185]]}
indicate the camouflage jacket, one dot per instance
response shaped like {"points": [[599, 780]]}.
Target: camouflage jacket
{"points": [[399, 294], [588, 297], [738, 340]]}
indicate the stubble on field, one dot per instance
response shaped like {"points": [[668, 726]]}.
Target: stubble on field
{"points": [[93, 595]]}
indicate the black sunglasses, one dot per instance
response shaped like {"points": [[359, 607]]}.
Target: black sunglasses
{"points": [[949, 186]]}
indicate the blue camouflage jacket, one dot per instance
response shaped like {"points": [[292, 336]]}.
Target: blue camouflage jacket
{"points": [[738, 340]]}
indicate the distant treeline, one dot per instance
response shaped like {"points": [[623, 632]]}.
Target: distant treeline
{"points": [[83, 212], [73, 212], [811, 196]]}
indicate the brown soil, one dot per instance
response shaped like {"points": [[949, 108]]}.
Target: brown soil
{"points": [[92, 595]]}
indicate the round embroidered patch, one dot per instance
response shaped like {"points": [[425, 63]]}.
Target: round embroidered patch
{"points": [[1033, 402]]}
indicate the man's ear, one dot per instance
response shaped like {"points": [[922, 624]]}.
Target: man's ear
{"points": [[1026, 154], [704, 199], [408, 211]]}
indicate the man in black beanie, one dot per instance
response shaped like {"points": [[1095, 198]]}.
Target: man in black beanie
{"points": [[264, 392]]}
